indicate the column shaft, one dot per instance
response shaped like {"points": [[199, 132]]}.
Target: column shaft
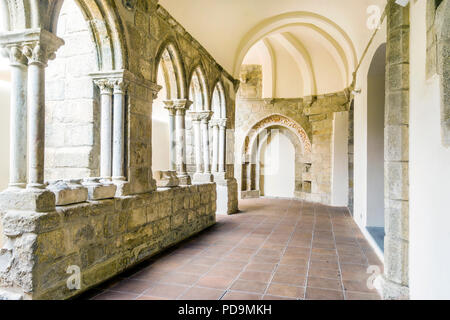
{"points": [[18, 123], [205, 136], [215, 159], [172, 140], [222, 148], [106, 132], [36, 124], [181, 142], [118, 133], [198, 145]]}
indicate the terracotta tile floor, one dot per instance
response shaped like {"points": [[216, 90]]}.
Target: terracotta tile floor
{"points": [[273, 249]]}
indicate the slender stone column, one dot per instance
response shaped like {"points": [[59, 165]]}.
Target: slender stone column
{"points": [[18, 120], [118, 130], [172, 142], [197, 142], [200, 121], [181, 106], [214, 124], [106, 91], [222, 144], [38, 53], [205, 135]]}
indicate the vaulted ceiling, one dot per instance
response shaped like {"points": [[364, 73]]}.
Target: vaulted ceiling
{"points": [[305, 47]]}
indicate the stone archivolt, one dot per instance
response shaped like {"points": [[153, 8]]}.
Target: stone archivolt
{"points": [[278, 120]]}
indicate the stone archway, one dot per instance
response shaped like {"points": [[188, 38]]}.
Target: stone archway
{"points": [[251, 167]]}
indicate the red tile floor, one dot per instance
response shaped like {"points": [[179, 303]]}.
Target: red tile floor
{"points": [[273, 249]]}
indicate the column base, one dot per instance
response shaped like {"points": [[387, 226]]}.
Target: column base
{"points": [[67, 192], [251, 194], [39, 200], [220, 176], [390, 290], [166, 179], [185, 180], [203, 178], [17, 186], [98, 190], [123, 187]]}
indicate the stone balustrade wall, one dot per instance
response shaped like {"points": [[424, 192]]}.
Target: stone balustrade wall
{"points": [[102, 238]]}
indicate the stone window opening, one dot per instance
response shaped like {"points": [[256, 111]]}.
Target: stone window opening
{"points": [[169, 136]]}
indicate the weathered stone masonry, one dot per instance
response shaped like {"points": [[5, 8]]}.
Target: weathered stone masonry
{"points": [[101, 225], [102, 238]]}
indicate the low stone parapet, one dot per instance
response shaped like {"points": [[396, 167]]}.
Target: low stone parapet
{"points": [[62, 252], [98, 190], [68, 192]]}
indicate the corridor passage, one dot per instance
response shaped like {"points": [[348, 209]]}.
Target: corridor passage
{"points": [[273, 249]]}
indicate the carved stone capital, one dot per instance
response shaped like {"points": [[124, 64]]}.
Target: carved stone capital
{"points": [[120, 86], [105, 85], [16, 56], [170, 106], [223, 123], [203, 116], [182, 105], [37, 45]]}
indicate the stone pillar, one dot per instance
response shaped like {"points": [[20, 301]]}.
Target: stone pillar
{"points": [[214, 124], [201, 120], [205, 136], [106, 92], [18, 119], [172, 142], [396, 275], [118, 173], [38, 51], [197, 143], [222, 144], [181, 106]]}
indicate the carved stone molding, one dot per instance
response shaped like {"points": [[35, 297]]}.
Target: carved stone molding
{"points": [[204, 116], [277, 120], [36, 45]]}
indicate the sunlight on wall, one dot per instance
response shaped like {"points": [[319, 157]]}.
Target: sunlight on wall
{"points": [[278, 166], [160, 129]]}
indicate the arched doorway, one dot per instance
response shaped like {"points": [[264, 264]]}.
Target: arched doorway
{"points": [[264, 150], [375, 146], [277, 165]]}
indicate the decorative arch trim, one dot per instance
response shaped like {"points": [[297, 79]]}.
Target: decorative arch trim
{"points": [[172, 48], [198, 70], [277, 120]]}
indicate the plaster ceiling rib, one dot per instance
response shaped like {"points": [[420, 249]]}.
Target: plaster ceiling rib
{"points": [[273, 66], [267, 26], [301, 56]]}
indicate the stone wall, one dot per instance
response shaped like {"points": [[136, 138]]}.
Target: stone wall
{"points": [[313, 114], [396, 170], [102, 238]]}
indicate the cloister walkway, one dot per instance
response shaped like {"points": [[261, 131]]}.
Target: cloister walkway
{"points": [[273, 249]]}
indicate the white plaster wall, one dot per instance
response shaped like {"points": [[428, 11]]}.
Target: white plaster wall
{"points": [[231, 20], [340, 160], [375, 143], [278, 160], [360, 133], [429, 214]]}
